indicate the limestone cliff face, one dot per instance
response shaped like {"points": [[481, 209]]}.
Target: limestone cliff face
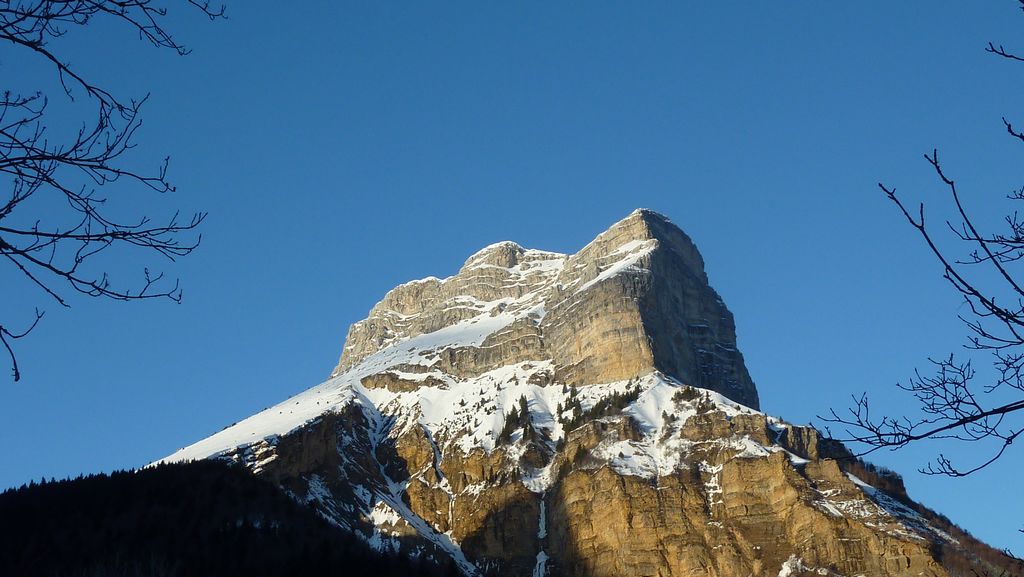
{"points": [[581, 415], [634, 300]]}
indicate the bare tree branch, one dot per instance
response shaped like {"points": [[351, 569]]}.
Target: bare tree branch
{"points": [[54, 249], [950, 404], [6, 334]]}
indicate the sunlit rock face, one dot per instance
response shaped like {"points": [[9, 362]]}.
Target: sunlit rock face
{"points": [[634, 300], [580, 415]]}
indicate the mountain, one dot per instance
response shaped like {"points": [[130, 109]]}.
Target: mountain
{"points": [[583, 415]]}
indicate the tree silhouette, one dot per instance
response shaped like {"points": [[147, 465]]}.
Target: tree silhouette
{"points": [[951, 403], [59, 205]]}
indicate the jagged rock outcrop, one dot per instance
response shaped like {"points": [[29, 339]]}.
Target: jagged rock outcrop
{"points": [[581, 415]]}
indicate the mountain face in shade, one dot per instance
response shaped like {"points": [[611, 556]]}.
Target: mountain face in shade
{"points": [[588, 414]]}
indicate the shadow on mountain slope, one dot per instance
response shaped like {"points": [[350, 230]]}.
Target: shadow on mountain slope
{"points": [[195, 519]]}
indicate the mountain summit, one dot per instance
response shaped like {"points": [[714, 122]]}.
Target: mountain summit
{"points": [[634, 300], [588, 414]]}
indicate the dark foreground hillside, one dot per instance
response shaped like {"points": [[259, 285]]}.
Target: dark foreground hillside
{"points": [[188, 520]]}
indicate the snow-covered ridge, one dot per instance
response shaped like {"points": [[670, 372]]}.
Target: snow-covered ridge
{"points": [[469, 414], [466, 415]]}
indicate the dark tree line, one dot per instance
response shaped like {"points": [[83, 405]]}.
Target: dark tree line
{"points": [[188, 520], [609, 405], [65, 190], [518, 418], [952, 401]]}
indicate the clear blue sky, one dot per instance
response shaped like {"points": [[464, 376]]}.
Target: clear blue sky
{"points": [[344, 148]]}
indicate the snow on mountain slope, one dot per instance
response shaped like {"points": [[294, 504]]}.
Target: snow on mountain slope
{"points": [[499, 288], [540, 413]]}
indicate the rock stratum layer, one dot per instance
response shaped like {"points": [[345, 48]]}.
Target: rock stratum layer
{"points": [[581, 415]]}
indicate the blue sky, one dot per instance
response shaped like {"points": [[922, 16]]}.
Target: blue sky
{"points": [[348, 147]]}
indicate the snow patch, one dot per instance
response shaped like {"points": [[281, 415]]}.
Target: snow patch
{"points": [[634, 251], [383, 514]]}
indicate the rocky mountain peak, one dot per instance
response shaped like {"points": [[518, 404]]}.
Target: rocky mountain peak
{"points": [[583, 415], [504, 254], [634, 300], [644, 224]]}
